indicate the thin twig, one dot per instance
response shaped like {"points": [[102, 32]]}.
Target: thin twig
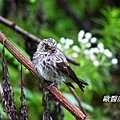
{"points": [[19, 30], [78, 100], [23, 108], [53, 90]]}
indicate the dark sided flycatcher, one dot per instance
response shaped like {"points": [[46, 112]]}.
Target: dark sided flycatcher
{"points": [[52, 65]]}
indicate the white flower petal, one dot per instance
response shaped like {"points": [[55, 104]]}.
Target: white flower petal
{"points": [[96, 50], [62, 40], [92, 51], [80, 35], [76, 48], [66, 46], [92, 57], [69, 41], [101, 47], [86, 51], [108, 53], [96, 63], [85, 40], [93, 40], [114, 61], [88, 45], [88, 35]]}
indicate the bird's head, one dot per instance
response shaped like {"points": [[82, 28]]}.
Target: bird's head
{"points": [[47, 45]]}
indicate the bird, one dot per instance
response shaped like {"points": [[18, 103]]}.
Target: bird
{"points": [[52, 66]]}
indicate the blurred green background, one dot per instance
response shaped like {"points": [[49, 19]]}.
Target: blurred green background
{"points": [[87, 31]]}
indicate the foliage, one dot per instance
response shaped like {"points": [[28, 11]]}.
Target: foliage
{"points": [[110, 33], [96, 51]]}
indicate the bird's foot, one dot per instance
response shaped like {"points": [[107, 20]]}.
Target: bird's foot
{"points": [[52, 84]]}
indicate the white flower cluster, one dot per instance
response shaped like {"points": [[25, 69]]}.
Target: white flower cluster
{"points": [[93, 53], [87, 40]]}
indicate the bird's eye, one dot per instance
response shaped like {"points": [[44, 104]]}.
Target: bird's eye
{"points": [[46, 46]]}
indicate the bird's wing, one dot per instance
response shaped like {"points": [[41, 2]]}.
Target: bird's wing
{"points": [[64, 67]]}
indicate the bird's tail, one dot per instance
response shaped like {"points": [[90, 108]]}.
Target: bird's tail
{"points": [[81, 84]]}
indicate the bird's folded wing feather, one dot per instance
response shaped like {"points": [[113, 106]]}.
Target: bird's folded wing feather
{"points": [[65, 68]]}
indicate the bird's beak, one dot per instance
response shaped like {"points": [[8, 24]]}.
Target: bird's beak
{"points": [[52, 49]]}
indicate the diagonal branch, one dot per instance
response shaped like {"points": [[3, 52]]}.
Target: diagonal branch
{"points": [[19, 30], [53, 90]]}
